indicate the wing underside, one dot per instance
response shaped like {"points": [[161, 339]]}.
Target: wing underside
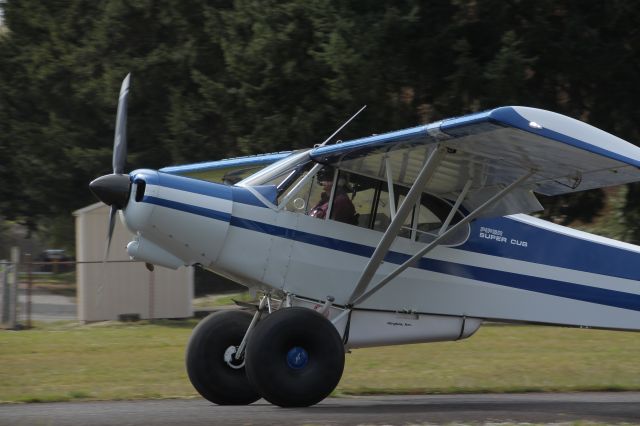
{"points": [[491, 150]]}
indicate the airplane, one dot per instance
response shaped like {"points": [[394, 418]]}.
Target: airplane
{"points": [[416, 235]]}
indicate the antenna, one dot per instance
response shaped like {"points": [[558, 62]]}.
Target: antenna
{"points": [[342, 127]]}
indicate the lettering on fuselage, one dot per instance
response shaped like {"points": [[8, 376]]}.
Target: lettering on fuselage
{"points": [[399, 324], [498, 236]]}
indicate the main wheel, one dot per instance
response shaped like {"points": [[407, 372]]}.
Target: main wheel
{"points": [[212, 369], [295, 357]]}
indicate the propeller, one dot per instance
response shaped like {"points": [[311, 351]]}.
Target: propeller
{"points": [[114, 189]]}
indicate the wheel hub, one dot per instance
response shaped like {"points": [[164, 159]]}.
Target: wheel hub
{"points": [[297, 358], [230, 359]]}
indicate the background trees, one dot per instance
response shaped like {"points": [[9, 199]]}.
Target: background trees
{"points": [[216, 79]]}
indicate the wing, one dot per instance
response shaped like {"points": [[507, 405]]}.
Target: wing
{"points": [[227, 171], [492, 149]]}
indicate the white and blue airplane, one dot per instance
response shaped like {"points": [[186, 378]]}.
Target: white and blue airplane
{"points": [[417, 235]]}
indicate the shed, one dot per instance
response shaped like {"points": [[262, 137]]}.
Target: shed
{"points": [[121, 287]]}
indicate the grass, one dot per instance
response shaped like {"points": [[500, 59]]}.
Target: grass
{"points": [[112, 361], [501, 359], [100, 361]]}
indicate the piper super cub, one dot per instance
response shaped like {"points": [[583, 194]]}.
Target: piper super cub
{"points": [[417, 235]]}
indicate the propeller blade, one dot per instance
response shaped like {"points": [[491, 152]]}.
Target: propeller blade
{"points": [[112, 224], [120, 138]]}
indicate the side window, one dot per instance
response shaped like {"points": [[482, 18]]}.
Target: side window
{"points": [[365, 196], [320, 193], [313, 197], [296, 191], [432, 213], [320, 198], [427, 221], [365, 202], [382, 215], [383, 210], [407, 227], [372, 203], [351, 200], [342, 207]]}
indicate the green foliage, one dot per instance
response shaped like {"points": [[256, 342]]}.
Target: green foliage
{"points": [[631, 213], [217, 79]]}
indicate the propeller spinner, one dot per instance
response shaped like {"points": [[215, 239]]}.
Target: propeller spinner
{"points": [[114, 189]]}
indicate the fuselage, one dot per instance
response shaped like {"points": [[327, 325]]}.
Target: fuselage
{"points": [[513, 268]]}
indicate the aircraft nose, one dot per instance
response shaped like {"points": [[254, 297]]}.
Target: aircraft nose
{"points": [[113, 189]]}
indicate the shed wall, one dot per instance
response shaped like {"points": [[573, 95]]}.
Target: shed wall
{"points": [[107, 290]]}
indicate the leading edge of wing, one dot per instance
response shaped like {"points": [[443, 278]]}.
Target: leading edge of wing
{"points": [[546, 124], [228, 171], [246, 161]]}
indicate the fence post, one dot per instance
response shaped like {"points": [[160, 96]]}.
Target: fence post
{"points": [[6, 291], [29, 264], [152, 284], [13, 283]]}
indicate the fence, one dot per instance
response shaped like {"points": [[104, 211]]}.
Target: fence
{"points": [[17, 277], [103, 291]]}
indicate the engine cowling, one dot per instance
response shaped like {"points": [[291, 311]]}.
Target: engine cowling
{"points": [[177, 218]]}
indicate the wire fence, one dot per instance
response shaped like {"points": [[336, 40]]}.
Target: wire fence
{"points": [[19, 278]]}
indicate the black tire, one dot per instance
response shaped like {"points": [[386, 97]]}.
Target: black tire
{"points": [[273, 368], [209, 373]]}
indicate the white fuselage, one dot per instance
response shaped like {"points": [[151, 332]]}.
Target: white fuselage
{"points": [[514, 268]]}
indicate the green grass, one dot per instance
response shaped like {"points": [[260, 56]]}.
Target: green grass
{"points": [[121, 361], [63, 362], [501, 359]]}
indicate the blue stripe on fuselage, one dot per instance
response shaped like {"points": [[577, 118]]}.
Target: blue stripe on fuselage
{"points": [[546, 247], [547, 286], [189, 208], [519, 281]]}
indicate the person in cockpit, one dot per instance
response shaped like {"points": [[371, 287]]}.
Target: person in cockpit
{"points": [[343, 209]]}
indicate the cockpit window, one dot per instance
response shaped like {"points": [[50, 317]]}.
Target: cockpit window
{"points": [[367, 203], [324, 192], [431, 214]]}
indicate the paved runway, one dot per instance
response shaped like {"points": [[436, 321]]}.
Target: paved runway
{"points": [[49, 307], [369, 410]]}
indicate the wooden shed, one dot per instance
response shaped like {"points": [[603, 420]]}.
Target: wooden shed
{"points": [[106, 291]]}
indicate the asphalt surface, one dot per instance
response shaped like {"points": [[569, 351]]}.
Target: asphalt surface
{"points": [[48, 307], [623, 407]]}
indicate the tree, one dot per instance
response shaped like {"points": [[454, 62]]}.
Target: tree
{"points": [[217, 79]]}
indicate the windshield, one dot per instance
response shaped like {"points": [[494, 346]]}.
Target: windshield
{"points": [[278, 171]]}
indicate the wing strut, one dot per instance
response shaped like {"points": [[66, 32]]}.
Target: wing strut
{"points": [[359, 297], [454, 209], [392, 195], [390, 234]]}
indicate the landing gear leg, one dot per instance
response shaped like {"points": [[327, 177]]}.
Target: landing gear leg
{"points": [[294, 357], [211, 362]]}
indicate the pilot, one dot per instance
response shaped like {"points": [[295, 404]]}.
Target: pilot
{"points": [[343, 209]]}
